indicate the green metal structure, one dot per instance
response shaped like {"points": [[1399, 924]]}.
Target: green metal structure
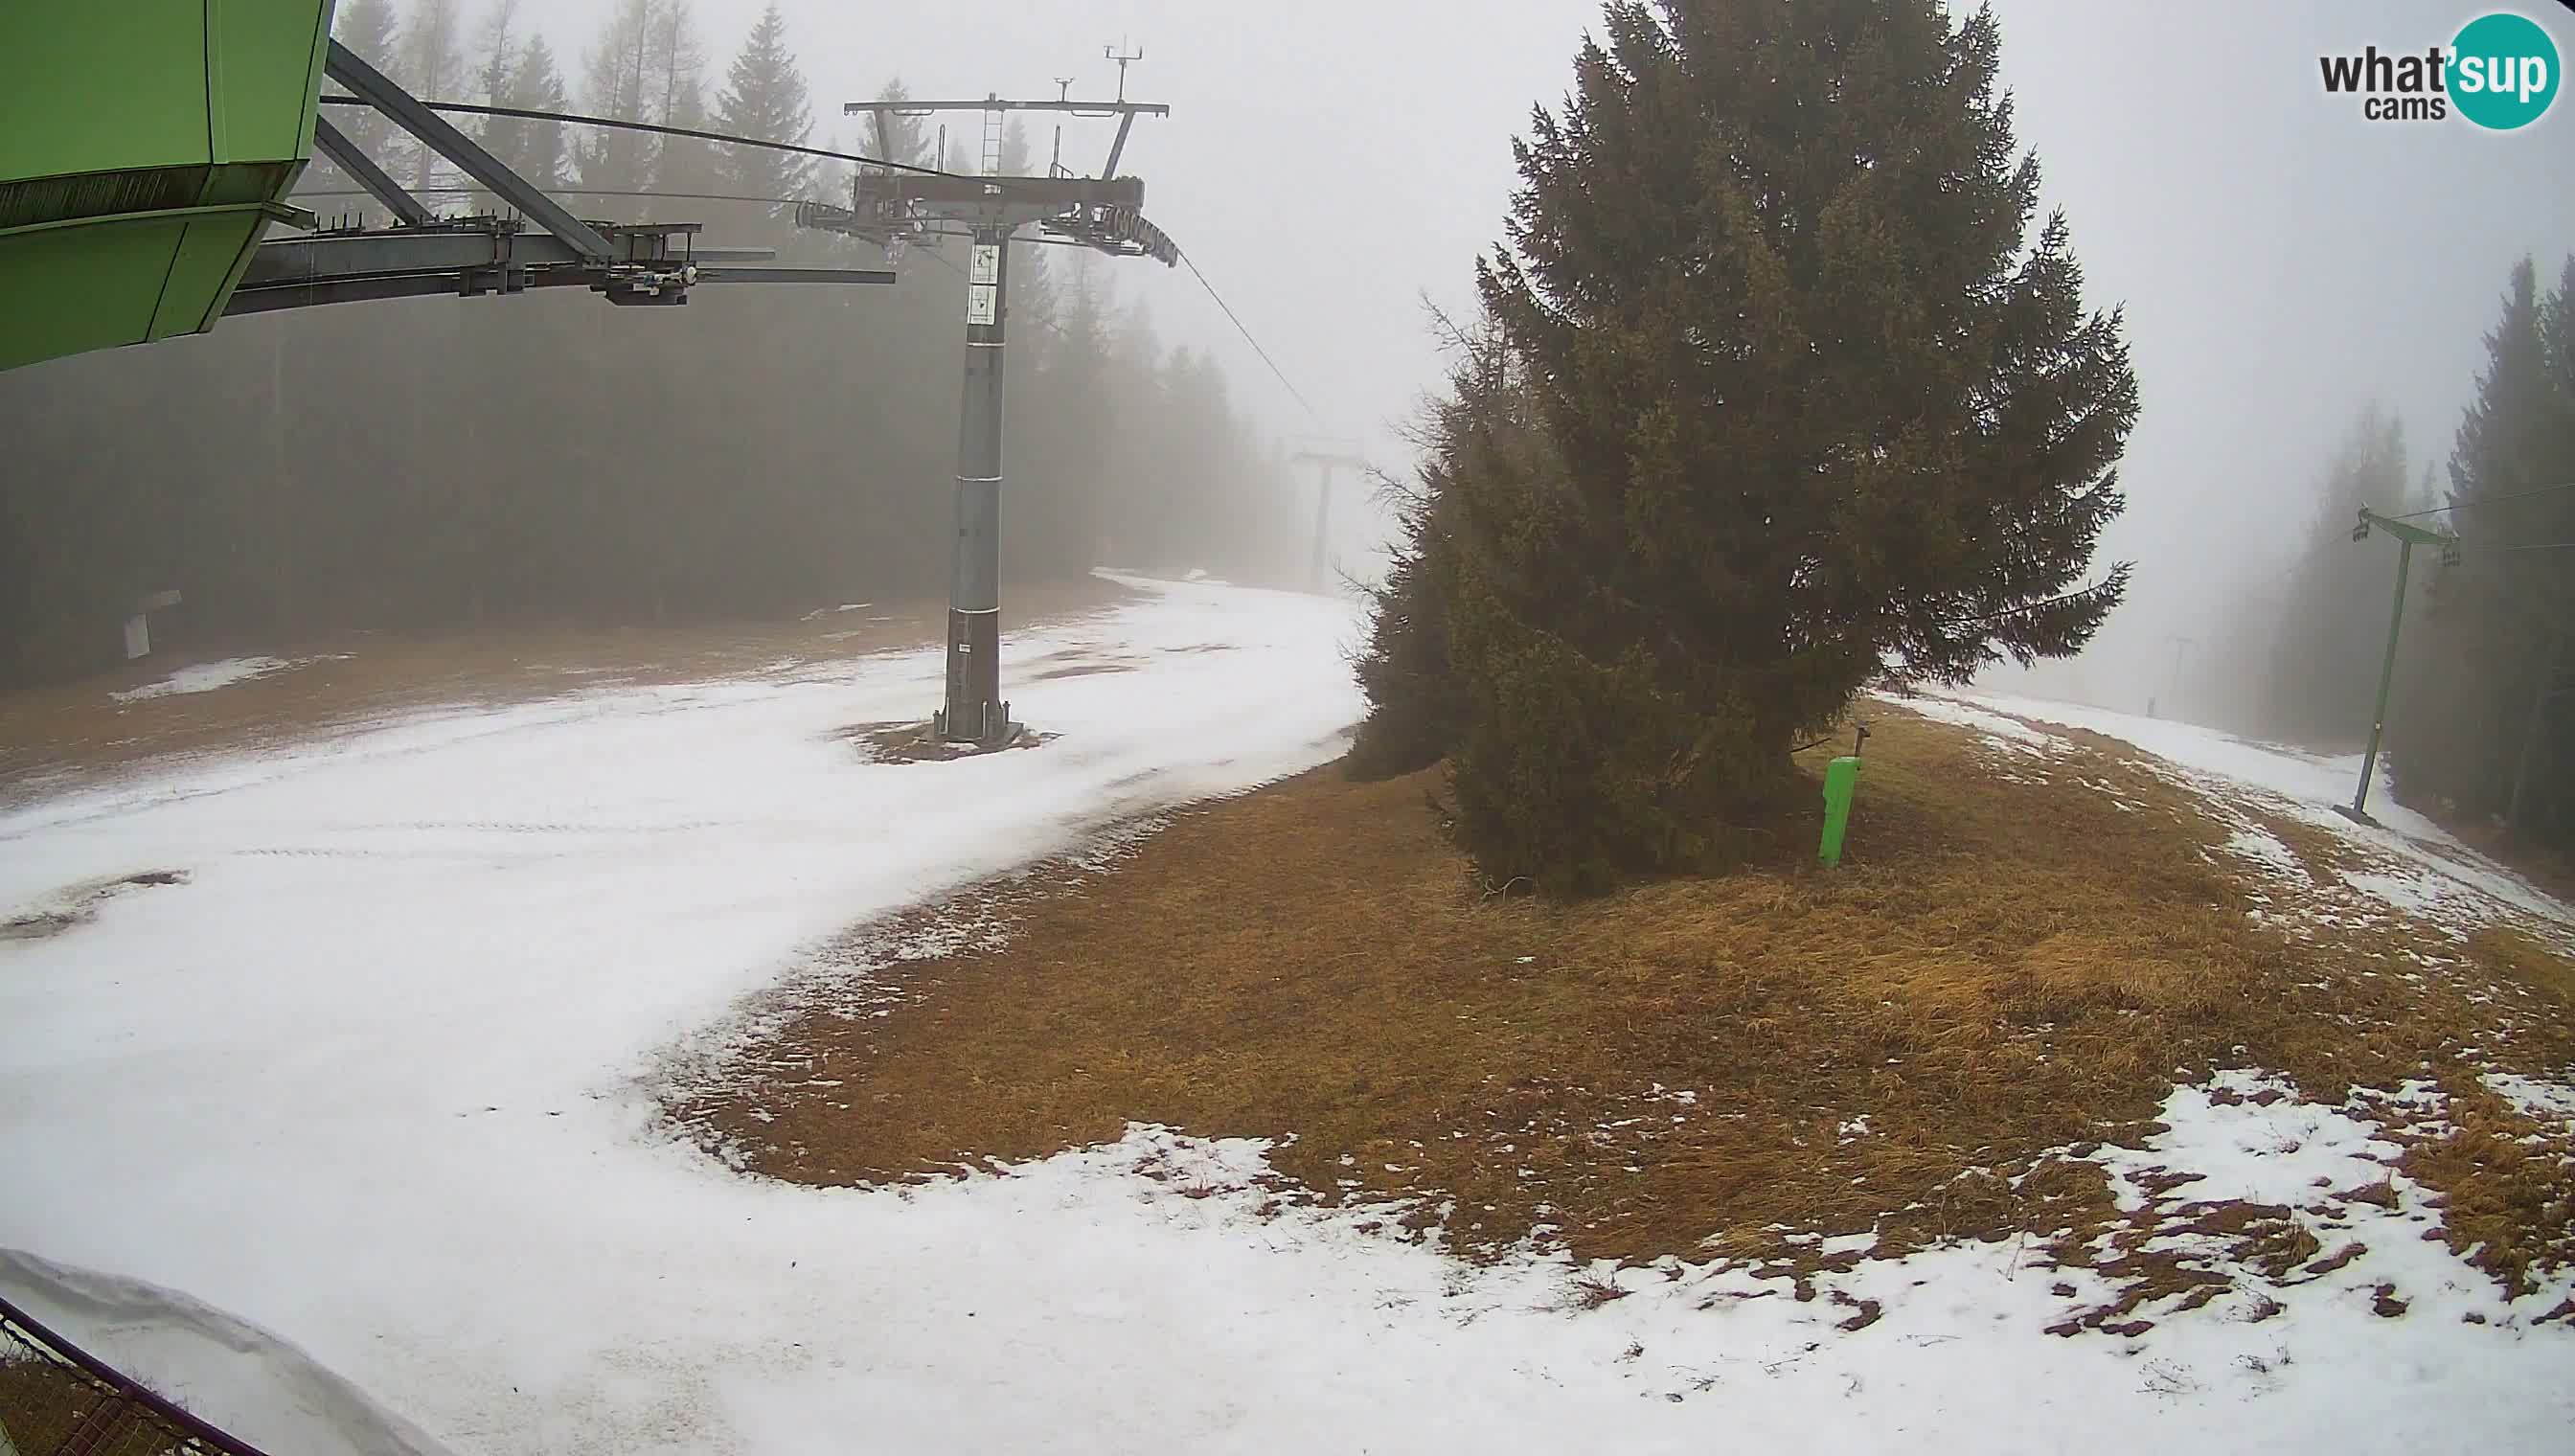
{"points": [[146, 146], [2408, 538]]}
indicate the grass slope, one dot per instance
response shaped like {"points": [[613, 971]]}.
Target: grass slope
{"points": [[2015, 963]]}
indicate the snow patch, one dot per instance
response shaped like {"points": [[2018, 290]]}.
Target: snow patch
{"points": [[2252, 842], [206, 676], [2415, 890], [1996, 729], [2541, 1101]]}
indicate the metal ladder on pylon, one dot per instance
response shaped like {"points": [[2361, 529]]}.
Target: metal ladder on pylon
{"points": [[993, 127]]}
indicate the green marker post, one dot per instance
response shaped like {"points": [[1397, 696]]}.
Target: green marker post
{"points": [[1841, 781]]}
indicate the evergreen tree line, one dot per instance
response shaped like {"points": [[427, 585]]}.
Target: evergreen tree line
{"points": [[440, 463], [1775, 389], [2481, 721]]}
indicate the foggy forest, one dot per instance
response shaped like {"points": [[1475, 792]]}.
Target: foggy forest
{"points": [[544, 457], [2480, 719]]}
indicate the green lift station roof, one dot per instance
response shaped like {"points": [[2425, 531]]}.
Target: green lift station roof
{"points": [[145, 147]]}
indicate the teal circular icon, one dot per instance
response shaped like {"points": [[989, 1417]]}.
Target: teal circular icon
{"points": [[2503, 71]]}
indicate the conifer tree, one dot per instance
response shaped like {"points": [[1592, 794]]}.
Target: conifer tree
{"points": [[367, 27], [892, 137], [618, 73], [496, 57], [498, 43], [1818, 404], [539, 152], [680, 165], [430, 61], [764, 95]]}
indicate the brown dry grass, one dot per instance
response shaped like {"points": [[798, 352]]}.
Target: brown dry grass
{"points": [[52, 736], [2002, 970]]}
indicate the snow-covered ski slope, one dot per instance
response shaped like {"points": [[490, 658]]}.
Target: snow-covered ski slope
{"points": [[367, 1091]]}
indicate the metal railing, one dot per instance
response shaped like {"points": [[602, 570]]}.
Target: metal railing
{"points": [[57, 1399]]}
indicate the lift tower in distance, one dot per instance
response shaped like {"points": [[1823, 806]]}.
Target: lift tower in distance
{"points": [[1327, 456], [890, 208]]}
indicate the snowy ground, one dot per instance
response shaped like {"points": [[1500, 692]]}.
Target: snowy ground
{"points": [[375, 1074]]}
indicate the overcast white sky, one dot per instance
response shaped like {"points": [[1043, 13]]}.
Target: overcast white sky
{"points": [[1329, 162]]}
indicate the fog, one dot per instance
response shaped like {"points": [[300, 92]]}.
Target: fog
{"points": [[2282, 261], [1335, 167]]}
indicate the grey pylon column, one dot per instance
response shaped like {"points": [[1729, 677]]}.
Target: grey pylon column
{"points": [[1323, 525], [975, 711]]}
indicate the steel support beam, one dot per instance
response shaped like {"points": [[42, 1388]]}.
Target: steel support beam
{"points": [[371, 86], [2408, 537], [330, 256], [360, 168], [975, 711], [375, 290], [1028, 197], [2386, 680], [1117, 148], [990, 103], [466, 258], [730, 273]]}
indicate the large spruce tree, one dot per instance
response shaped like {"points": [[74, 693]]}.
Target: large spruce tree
{"points": [[764, 95], [1817, 405], [538, 149], [367, 27]]}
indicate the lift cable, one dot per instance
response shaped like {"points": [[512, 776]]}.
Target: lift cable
{"points": [[2487, 501], [1310, 411], [577, 119]]}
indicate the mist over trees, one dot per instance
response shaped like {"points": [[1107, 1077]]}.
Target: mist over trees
{"points": [[2481, 719], [2484, 724], [1769, 398], [2302, 659], [441, 463]]}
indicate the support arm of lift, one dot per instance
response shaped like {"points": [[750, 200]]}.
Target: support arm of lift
{"points": [[441, 136], [655, 263], [487, 255], [353, 160]]}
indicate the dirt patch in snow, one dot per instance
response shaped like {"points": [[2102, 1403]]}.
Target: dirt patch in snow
{"points": [[78, 904], [913, 743]]}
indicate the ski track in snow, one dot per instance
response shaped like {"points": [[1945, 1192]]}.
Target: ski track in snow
{"points": [[374, 1087]]}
